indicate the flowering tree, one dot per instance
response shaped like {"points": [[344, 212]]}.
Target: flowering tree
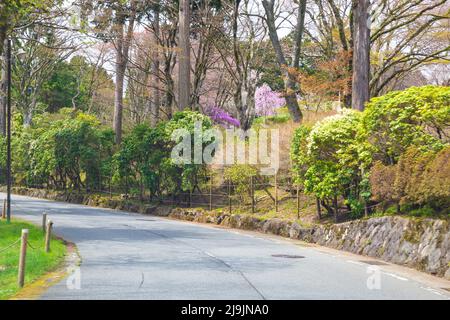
{"points": [[220, 116], [267, 101]]}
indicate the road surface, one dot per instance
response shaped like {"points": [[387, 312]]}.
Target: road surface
{"points": [[130, 256]]}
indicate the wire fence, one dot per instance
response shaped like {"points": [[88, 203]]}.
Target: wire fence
{"points": [[278, 193], [9, 246]]}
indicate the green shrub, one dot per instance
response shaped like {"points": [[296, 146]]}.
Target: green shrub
{"points": [[64, 150], [144, 159], [400, 119], [419, 178], [239, 175], [393, 152], [329, 161]]}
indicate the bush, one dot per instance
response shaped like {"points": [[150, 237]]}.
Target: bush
{"points": [[398, 120], [330, 161], [419, 178], [144, 159], [239, 175], [65, 150], [396, 151]]}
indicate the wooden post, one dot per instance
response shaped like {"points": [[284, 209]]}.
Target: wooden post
{"points": [[44, 221], [22, 258], [190, 198], [229, 195], [4, 210], [276, 192], [48, 235], [110, 185], [252, 186], [336, 209], [210, 192], [298, 201]]}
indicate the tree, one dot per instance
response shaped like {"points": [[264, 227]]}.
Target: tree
{"points": [[361, 55], [290, 81], [184, 72], [122, 46], [242, 48], [3, 88], [37, 51], [156, 95], [14, 14]]}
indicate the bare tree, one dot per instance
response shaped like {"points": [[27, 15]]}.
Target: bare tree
{"points": [[290, 81], [361, 55], [123, 35], [243, 48], [184, 70], [156, 96], [3, 87]]}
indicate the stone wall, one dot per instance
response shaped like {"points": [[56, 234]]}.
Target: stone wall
{"points": [[423, 244]]}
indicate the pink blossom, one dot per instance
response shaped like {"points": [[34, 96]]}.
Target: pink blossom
{"points": [[267, 101]]}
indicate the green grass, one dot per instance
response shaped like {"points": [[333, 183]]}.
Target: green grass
{"points": [[38, 262]]}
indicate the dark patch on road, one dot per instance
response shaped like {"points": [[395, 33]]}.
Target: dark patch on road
{"points": [[287, 256]]}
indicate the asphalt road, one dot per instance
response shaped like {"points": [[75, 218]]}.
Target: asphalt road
{"points": [[130, 256]]}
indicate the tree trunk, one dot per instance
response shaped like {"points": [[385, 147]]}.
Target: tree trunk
{"points": [[156, 97], [118, 90], [290, 83], [3, 101], [184, 72], [361, 55], [319, 209], [122, 52]]}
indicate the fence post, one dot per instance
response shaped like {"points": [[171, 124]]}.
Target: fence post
{"points": [[229, 195], [336, 208], [210, 192], [4, 209], [252, 186], [298, 201], [44, 221], [22, 257], [48, 235], [110, 185], [276, 192], [190, 198]]}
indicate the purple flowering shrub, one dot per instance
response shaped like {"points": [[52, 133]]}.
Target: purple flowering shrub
{"points": [[221, 117], [267, 101]]}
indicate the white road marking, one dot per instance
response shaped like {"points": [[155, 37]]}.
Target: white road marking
{"points": [[433, 291], [395, 276]]}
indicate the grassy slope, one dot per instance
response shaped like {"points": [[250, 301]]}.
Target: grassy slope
{"points": [[38, 262]]}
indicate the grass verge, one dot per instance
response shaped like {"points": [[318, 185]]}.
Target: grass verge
{"points": [[38, 262]]}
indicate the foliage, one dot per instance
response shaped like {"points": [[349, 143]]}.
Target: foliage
{"points": [[398, 120], [335, 160], [221, 117], [267, 101], [327, 80], [395, 151], [66, 150], [239, 175], [144, 158], [420, 178]]}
